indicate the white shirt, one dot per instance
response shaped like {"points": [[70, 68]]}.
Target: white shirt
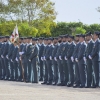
{"points": [[82, 42], [96, 40], [89, 41]]}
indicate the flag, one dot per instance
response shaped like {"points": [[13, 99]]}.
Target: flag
{"points": [[15, 35]]}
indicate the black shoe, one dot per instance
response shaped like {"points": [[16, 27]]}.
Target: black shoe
{"points": [[41, 79], [44, 83], [93, 86], [88, 86], [54, 83], [35, 82], [49, 83], [21, 80], [75, 85], [61, 84], [69, 85], [82, 86]]}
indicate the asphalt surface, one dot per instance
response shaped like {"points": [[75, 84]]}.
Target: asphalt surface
{"points": [[28, 91]]}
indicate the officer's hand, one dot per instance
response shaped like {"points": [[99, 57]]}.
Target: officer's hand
{"points": [[50, 58], [7, 56], [90, 57], [55, 58], [60, 58], [72, 59], [84, 58], [42, 58], [2, 56], [11, 60], [76, 59], [29, 60], [66, 58]]}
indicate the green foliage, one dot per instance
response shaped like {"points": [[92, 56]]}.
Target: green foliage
{"points": [[79, 30], [46, 28]]}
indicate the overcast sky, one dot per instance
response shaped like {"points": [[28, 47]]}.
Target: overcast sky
{"points": [[78, 10]]}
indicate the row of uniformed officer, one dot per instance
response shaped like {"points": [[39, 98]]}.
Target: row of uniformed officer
{"points": [[18, 59], [72, 62], [63, 60]]}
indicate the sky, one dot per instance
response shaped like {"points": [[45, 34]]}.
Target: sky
{"points": [[77, 10]]}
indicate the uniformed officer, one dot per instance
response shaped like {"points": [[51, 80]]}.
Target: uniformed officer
{"points": [[95, 57], [26, 52], [64, 61], [33, 60], [6, 61], [59, 61], [0, 58], [82, 60], [15, 60], [9, 57], [74, 56], [89, 68], [48, 57], [55, 65], [70, 61], [23, 59], [44, 61], [41, 49], [21, 39]]}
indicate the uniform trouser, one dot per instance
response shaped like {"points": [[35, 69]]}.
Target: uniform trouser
{"points": [[45, 72], [82, 73], [55, 68], [6, 64], [96, 72], [20, 70], [24, 63], [16, 69], [0, 69], [35, 70], [29, 70], [89, 72], [3, 68], [61, 70], [41, 68], [77, 75], [71, 71], [49, 68], [11, 69], [66, 73]]}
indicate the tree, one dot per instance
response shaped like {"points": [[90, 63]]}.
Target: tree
{"points": [[79, 30], [29, 10]]}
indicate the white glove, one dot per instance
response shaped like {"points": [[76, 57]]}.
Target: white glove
{"points": [[55, 58], [20, 53], [66, 58], [2, 56], [29, 60], [16, 59], [90, 57], [42, 58], [11, 60], [84, 58], [7, 56], [50, 58], [72, 59], [60, 58], [76, 59]]}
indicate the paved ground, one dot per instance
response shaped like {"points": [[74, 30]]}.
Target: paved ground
{"points": [[28, 91]]}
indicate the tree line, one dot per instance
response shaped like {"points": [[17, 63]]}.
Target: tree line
{"points": [[47, 28]]}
